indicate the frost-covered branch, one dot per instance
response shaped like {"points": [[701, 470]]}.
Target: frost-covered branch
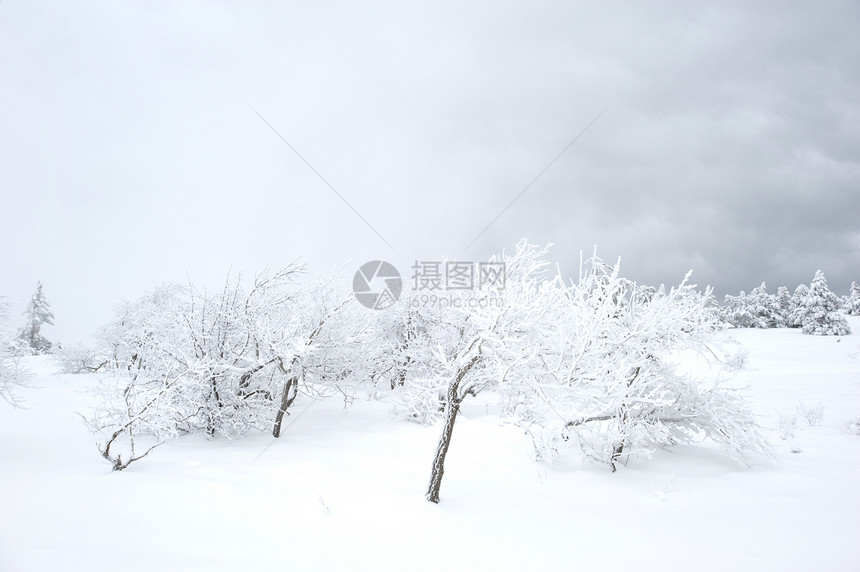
{"points": [[13, 374]]}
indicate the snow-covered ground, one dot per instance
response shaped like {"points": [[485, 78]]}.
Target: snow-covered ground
{"points": [[345, 490]]}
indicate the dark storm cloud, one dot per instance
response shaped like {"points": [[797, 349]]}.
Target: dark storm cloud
{"points": [[730, 147]]}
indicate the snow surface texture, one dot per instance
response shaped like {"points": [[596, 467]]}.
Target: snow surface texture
{"points": [[344, 490]]}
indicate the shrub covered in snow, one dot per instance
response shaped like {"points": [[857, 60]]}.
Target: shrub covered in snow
{"points": [[736, 311], [12, 373], [764, 308], [737, 359], [852, 303], [812, 414], [798, 299], [79, 359], [787, 425], [853, 425], [758, 309], [819, 310], [182, 361], [612, 387]]}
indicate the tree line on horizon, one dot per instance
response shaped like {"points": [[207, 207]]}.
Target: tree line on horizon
{"points": [[815, 309]]}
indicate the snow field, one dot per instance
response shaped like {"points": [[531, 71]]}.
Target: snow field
{"points": [[344, 489]]}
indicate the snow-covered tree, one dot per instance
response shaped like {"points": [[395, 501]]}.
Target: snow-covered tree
{"points": [[736, 311], [497, 346], [820, 313], [182, 361], [798, 303], [335, 349], [13, 375], [852, 304], [426, 339], [38, 314], [758, 309], [592, 363], [783, 305], [613, 387], [763, 308], [142, 394]]}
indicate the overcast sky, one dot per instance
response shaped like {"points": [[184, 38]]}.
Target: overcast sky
{"points": [[132, 153]]}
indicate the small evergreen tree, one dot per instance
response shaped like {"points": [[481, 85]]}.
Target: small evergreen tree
{"points": [[820, 314], [798, 301], [38, 313], [783, 305], [852, 305]]}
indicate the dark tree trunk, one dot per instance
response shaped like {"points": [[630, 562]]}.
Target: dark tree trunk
{"points": [[290, 392], [213, 417], [452, 407], [400, 379], [245, 380], [291, 389], [451, 410], [616, 454]]}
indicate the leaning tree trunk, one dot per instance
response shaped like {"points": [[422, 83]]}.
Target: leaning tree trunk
{"points": [[451, 410], [290, 392], [452, 407], [291, 389]]}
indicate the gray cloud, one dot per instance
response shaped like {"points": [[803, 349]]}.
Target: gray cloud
{"points": [[131, 153]]}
